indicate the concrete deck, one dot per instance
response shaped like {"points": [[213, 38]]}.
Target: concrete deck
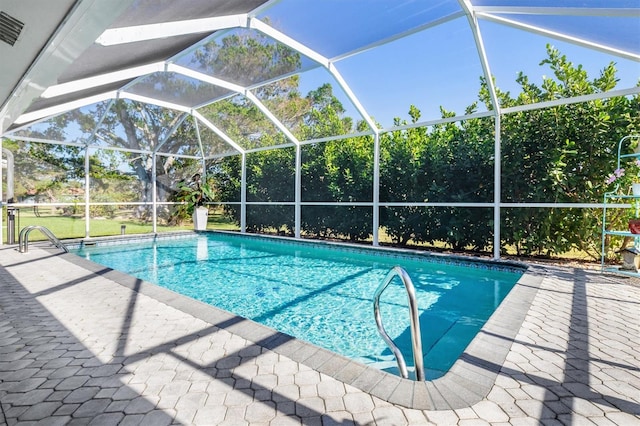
{"points": [[81, 345]]}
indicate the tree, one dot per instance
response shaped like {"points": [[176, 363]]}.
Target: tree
{"points": [[349, 165], [271, 178], [561, 154], [405, 169]]}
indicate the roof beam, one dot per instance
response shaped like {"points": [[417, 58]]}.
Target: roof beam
{"points": [[175, 126], [237, 89], [573, 100], [561, 11], [188, 72], [102, 79], [122, 35], [271, 117], [47, 141], [100, 121], [484, 61], [419, 28], [510, 110], [58, 109], [258, 25], [354, 99], [315, 56], [217, 131], [560, 36], [153, 101]]}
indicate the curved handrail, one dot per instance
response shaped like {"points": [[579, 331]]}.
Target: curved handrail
{"points": [[23, 238], [416, 338]]}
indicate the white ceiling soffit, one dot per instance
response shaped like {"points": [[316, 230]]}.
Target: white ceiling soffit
{"points": [[54, 34], [58, 33]]}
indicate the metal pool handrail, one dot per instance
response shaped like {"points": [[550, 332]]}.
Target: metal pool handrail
{"points": [[23, 239], [416, 339]]}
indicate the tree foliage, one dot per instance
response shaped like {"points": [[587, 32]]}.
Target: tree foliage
{"points": [[559, 154]]}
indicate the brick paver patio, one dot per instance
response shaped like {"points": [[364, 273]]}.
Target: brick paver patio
{"points": [[78, 348]]}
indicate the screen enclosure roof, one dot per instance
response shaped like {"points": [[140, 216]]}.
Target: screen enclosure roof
{"points": [[72, 69]]}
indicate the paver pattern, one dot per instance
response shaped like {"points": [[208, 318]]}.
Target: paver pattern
{"points": [[77, 348]]}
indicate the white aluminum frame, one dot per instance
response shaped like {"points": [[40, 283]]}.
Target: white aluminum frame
{"points": [[249, 21]]}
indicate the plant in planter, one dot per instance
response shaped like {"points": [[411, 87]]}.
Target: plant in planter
{"points": [[194, 195], [627, 176]]}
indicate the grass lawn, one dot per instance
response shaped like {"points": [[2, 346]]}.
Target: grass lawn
{"points": [[74, 226]]}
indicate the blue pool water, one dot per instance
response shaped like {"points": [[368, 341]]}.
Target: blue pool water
{"points": [[321, 293]]}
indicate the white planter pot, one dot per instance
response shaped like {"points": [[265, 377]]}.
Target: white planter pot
{"points": [[200, 216], [635, 189]]}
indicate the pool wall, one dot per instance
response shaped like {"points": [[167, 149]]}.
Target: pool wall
{"points": [[467, 382]]}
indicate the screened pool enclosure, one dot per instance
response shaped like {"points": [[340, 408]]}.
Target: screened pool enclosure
{"points": [[317, 109]]}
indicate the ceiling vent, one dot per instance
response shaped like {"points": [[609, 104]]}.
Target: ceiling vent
{"points": [[10, 28]]}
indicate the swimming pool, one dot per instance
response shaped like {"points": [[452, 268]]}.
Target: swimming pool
{"points": [[323, 293]]}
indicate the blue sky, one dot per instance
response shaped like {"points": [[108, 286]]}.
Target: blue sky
{"points": [[439, 66]]}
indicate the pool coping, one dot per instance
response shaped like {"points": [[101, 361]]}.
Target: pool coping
{"points": [[466, 383]]}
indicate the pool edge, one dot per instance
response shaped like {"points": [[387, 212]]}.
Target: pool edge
{"points": [[467, 382]]}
